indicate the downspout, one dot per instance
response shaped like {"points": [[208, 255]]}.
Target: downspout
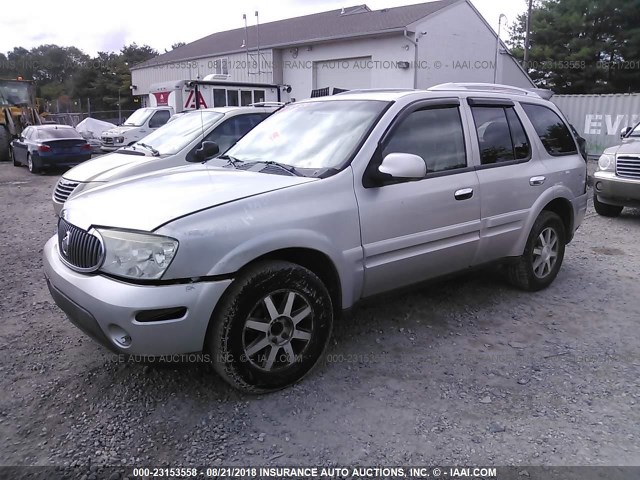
{"points": [[415, 58], [417, 36]]}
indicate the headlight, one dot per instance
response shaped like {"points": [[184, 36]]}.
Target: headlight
{"points": [[118, 139], [137, 255], [607, 162]]}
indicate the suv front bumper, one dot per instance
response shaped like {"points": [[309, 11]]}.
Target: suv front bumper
{"points": [[106, 309], [614, 190]]}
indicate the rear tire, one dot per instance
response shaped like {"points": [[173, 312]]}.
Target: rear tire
{"points": [[33, 168], [271, 327], [5, 142], [605, 209], [538, 266]]}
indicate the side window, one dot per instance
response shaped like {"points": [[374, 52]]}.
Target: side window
{"points": [[159, 119], [232, 97], [553, 132], [435, 134], [500, 135], [229, 132], [219, 97]]}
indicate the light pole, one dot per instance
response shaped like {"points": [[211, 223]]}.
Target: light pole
{"points": [[495, 68], [119, 108]]}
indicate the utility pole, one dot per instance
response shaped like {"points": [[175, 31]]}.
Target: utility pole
{"points": [[525, 61]]}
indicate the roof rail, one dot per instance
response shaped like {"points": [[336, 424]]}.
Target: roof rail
{"points": [[497, 88], [374, 90]]}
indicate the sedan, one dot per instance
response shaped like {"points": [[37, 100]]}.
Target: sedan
{"points": [[49, 146]]}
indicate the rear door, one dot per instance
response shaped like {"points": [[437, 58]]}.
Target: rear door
{"points": [[561, 153], [510, 175]]}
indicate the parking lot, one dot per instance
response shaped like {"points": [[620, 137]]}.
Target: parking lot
{"points": [[469, 371]]}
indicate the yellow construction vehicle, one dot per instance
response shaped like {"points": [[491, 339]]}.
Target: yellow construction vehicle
{"points": [[17, 111]]}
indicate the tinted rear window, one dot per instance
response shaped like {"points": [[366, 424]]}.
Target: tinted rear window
{"points": [[553, 132], [53, 133]]}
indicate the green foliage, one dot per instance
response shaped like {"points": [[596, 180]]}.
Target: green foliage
{"points": [[582, 46], [65, 74]]}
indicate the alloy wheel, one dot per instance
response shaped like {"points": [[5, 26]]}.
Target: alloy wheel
{"points": [[545, 252], [277, 331]]}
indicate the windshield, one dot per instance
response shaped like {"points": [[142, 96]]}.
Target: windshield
{"points": [[636, 131], [310, 134], [174, 136], [138, 117], [14, 93]]}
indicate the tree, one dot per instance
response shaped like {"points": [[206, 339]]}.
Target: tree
{"points": [[582, 46], [174, 46]]}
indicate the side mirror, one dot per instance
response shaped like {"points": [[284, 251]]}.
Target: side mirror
{"points": [[207, 150], [625, 131], [403, 166]]}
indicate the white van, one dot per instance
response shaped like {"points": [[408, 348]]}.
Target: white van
{"points": [[140, 124]]}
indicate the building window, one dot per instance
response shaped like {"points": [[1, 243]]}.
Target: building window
{"points": [[221, 66]]}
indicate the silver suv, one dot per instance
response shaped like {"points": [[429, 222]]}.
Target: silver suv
{"points": [[617, 179], [326, 202]]}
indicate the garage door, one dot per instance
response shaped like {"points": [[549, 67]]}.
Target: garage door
{"points": [[347, 73]]}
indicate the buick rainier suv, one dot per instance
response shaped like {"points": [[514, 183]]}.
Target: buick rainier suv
{"points": [[326, 202]]}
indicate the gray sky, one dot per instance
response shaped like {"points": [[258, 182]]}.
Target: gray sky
{"points": [[107, 26]]}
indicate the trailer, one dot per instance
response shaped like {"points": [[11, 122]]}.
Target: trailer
{"points": [[194, 94]]}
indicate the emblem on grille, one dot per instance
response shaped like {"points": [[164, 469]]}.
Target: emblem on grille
{"points": [[65, 243]]}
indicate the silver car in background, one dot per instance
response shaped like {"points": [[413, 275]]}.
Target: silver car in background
{"points": [[171, 145], [327, 202]]}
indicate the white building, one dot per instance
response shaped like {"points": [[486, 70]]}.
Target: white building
{"points": [[414, 46]]}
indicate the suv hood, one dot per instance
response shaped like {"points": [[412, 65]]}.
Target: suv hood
{"points": [[106, 167], [148, 201], [628, 146]]}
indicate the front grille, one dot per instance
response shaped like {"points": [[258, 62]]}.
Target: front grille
{"points": [[63, 189], [628, 166], [107, 140], [79, 248]]}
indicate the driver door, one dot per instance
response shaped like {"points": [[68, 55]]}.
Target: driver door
{"points": [[416, 230]]}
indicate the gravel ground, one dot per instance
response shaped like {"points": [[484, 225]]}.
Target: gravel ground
{"points": [[470, 371]]}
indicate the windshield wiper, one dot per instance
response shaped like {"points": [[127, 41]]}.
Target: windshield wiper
{"points": [[283, 166], [153, 151], [235, 162]]}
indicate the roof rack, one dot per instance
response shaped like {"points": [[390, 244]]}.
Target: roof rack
{"points": [[495, 87]]}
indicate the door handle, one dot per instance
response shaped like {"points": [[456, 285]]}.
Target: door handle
{"points": [[463, 194], [534, 181]]}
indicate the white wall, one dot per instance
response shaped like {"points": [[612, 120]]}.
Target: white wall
{"points": [[191, 70], [298, 68], [460, 47]]}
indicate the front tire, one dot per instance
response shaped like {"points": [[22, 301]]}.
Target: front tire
{"points": [[605, 209], [538, 266], [271, 327]]}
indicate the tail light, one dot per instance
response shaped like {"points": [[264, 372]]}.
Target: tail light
{"points": [[86, 146], [44, 148]]}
